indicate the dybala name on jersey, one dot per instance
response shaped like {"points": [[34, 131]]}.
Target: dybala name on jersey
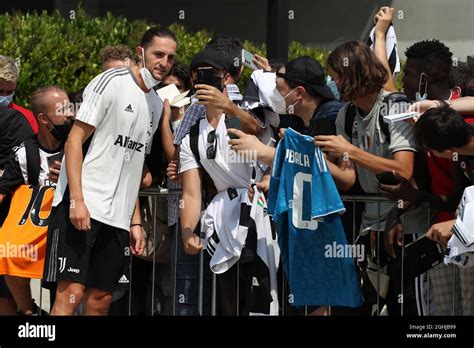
{"points": [[291, 156], [126, 142]]}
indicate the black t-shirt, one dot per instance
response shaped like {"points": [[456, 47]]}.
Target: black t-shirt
{"points": [[14, 129]]}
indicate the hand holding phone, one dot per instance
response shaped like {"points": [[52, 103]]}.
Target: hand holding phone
{"points": [[387, 178], [205, 76], [232, 122], [248, 60], [422, 255], [54, 166]]}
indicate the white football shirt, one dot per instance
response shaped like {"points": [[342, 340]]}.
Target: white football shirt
{"points": [[125, 119]]}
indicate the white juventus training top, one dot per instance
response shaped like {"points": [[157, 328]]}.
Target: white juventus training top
{"points": [[460, 249], [125, 119]]}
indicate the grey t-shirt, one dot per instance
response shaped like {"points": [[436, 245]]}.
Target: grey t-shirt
{"points": [[367, 134]]}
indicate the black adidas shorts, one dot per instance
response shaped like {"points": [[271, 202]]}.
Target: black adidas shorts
{"points": [[99, 258]]}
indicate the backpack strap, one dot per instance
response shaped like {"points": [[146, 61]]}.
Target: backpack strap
{"points": [[349, 120], [33, 161], [194, 141], [390, 99], [209, 190]]}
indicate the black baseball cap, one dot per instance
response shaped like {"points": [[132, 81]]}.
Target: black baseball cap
{"points": [[208, 57], [309, 73]]}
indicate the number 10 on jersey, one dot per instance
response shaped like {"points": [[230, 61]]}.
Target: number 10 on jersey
{"points": [[298, 193]]}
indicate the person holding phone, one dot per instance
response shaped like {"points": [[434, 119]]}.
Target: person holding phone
{"points": [[228, 99], [205, 152], [445, 134], [428, 75], [54, 124], [361, 77]]}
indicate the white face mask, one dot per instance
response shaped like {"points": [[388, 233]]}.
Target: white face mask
{"points": [[278, 102], [147, 77], [175, 124]]}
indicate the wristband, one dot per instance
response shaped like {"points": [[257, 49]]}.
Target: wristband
{"points": [[136, 225]]}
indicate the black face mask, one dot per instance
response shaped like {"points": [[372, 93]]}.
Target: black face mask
{"points": [[60, 132]]}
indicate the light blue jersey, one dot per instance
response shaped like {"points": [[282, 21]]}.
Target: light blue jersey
{"points": [[305, 204]]}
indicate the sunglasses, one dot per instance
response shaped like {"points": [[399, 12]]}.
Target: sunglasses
{"points": [[211, 149]]}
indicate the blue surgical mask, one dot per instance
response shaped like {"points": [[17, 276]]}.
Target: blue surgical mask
{"points": [[6, 100], [332, 84]]}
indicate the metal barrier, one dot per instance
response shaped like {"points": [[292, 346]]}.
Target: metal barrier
{"points": [[348, 199], [155, 193]]}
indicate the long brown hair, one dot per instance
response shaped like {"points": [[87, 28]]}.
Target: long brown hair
{"points": [[360, 71]]}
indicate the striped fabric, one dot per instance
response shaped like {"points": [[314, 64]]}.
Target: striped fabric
{"points": [[392, 52]]}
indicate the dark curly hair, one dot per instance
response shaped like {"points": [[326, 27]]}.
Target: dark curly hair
{"points": [[441, 129], [181, 71], [231, 50], [118, 52], [462, 76], [435, 57]]}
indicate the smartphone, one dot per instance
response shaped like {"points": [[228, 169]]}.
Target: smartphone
{"points": [[232, 122], [324, 127], [422, 255], [247, 60], [387, 178], [55, 157], [205, 76]]}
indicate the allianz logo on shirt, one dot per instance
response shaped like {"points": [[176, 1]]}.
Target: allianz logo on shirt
{"points": [[128, 143], [129, 108]]}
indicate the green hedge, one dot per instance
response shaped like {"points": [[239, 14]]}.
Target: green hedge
{"points": [[52, 49]]}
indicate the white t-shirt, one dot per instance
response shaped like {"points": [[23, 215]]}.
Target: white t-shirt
{"points": [[125, 119], [228, 169]]}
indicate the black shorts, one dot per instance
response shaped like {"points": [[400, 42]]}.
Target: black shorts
{"points": [[4, 209], [99, 258]]}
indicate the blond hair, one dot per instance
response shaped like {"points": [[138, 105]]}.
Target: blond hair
{"points": [[8, 69]]}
